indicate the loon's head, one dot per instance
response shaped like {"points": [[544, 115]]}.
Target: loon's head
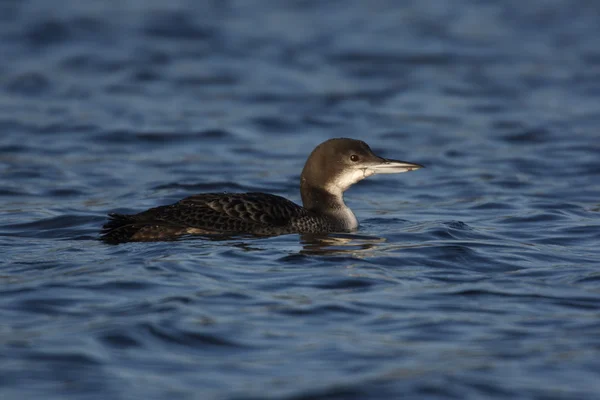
{"points": [[337, 164]]}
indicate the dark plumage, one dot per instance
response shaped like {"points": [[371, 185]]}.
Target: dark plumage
{"points": [[330, 169], [216, 213]]}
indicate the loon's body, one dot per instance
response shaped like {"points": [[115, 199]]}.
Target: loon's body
{"points": [[332, 167]]}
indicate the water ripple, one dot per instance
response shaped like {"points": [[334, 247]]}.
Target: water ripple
{"points": [[476, 277]]}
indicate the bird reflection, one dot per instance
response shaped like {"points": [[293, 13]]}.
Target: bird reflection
{"points": [[335, 244], [312, 244]]}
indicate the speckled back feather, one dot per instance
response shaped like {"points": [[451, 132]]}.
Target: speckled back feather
{"points": [[216, 213]]}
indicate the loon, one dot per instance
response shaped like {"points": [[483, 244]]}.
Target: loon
{"points": [[331, 169]]}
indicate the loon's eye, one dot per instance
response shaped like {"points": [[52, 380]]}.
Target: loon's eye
{"points": [[354, 158]]}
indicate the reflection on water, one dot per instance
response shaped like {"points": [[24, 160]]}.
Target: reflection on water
{"points": [[339, 243]]}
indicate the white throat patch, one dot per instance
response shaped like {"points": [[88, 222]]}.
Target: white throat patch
{"points": [[347, 179]]}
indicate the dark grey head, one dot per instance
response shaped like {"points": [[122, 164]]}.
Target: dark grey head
{"points": [[337, 164]]}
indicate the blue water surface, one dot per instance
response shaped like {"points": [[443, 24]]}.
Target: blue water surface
{"points": [[476, 277]]}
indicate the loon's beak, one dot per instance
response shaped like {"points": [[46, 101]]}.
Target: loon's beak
{"points": [[387, 166]]}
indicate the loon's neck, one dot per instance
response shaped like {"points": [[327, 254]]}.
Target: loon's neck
{"points": [[328, 204]]}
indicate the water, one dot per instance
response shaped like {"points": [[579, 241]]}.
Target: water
{"points": [[476, 277]]}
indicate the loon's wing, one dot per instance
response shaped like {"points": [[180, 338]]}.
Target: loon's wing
{"points": [[233, 211], [204, 213]]}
